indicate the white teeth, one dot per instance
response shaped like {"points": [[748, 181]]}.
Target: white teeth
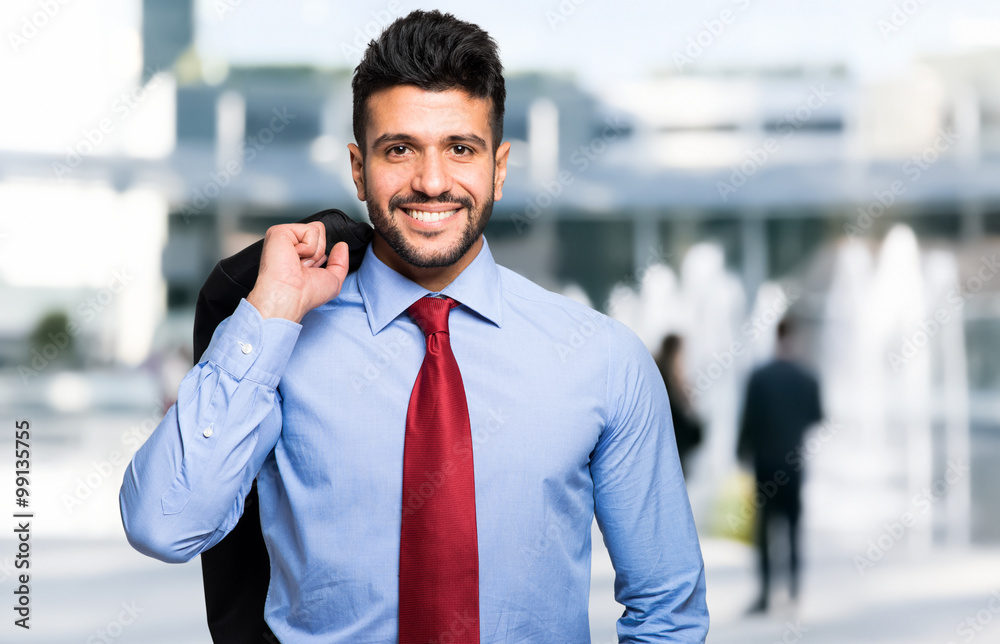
{"points": [[421, 215]]}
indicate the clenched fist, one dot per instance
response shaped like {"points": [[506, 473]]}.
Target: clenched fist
{"points": [[291, 282]]}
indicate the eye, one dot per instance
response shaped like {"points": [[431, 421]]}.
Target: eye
{"points": [[398, 150], [462, 150]]}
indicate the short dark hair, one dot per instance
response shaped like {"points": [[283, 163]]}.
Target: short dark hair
{"points": [[436, 52]]}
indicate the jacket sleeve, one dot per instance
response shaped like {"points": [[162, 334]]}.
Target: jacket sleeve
{"points": [[185, 487], [746, 443], [641, 504]]}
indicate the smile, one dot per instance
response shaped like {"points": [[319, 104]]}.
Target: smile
{"points": [[429, 217]]}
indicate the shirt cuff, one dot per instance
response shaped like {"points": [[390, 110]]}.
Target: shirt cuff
{"points": [[253, 347]]}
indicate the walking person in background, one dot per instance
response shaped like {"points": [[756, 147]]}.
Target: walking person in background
{"points": [[687, 425], [782, 403]]}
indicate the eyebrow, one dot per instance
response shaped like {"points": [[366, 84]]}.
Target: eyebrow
{"points": [[454, 138]]}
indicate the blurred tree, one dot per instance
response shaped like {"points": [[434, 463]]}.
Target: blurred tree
{"points": [[52, 338]]}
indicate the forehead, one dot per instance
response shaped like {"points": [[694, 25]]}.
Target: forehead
{"points": [[421, 114]]}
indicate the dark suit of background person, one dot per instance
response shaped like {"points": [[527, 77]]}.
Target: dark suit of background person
{"points": [[236, 571], [782, 402]]}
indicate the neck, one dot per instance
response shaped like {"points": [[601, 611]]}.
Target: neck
{"points": [[433, 279]]}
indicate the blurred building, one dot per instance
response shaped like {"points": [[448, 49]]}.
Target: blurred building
{"points": [[777, 168]]}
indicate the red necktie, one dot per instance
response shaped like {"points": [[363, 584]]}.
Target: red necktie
{"points": [[438, 552]]}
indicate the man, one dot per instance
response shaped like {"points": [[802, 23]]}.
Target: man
{"points": [[782, 402], [429, 468]]}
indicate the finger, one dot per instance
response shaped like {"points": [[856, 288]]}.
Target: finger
{"points": [[309, 239], [318, 231], [306, 263], [277, 240], [304, 236], [305, 247], [306, 232], [306, 243]]}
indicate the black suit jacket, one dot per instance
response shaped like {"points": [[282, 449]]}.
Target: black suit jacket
{"points": [[782, 402], [236, 571]]}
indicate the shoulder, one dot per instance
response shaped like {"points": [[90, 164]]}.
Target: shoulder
{"points": [[548, 310], [571, 322], [770, 371], [782, 373], [520, 288], [795, 369], [527, 298]]}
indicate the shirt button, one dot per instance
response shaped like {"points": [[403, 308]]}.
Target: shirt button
{"points": [[207, 433], [247, 348]]}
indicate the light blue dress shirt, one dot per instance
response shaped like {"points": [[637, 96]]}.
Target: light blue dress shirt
{"points": [[569, 419]]}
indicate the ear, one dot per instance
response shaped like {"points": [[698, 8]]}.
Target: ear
{"points": [[500, 171], [357, 170]]}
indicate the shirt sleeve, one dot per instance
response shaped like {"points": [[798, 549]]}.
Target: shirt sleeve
{"points": [[642, 506], [184, 488]]}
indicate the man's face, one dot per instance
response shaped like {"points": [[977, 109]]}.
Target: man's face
{"points": [[428, 175]]}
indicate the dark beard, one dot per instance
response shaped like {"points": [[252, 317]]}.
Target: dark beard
{"points": [[475, 225]]}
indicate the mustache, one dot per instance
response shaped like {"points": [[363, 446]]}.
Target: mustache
{"points": [[398, 201]]}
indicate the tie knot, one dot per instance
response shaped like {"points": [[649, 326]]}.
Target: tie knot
{"points": [[431, 314]]}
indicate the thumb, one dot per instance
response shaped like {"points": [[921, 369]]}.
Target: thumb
{"points": [[325, 283], [339, 262]]}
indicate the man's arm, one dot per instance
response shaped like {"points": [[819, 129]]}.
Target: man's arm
{"points": [[185, 487], [642, 506]]}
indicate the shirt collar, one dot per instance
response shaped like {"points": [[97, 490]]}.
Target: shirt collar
{"points": [[387, 294]]}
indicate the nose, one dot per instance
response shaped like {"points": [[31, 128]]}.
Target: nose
{"points": [[431, 175]]}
